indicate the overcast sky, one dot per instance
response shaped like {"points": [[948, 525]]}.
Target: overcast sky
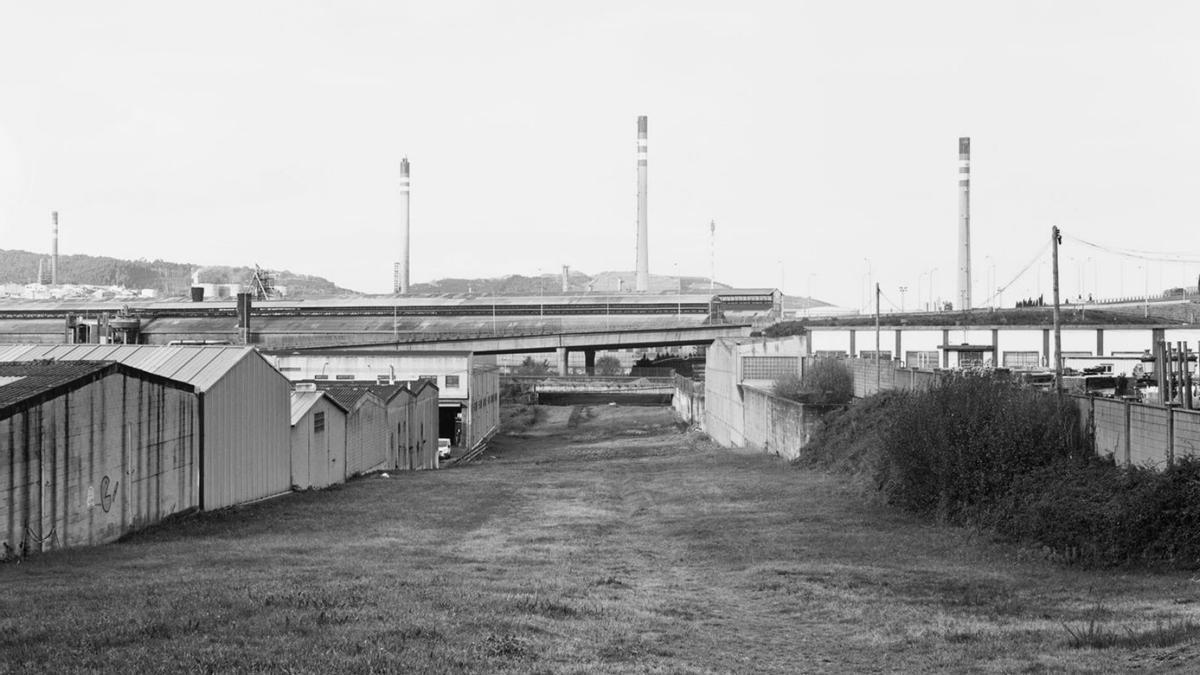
{"points": [[821, 137]]}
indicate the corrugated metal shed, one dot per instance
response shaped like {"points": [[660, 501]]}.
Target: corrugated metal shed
{"points": [[244, 402], [90, 451], [200, 366], [318, 440]]}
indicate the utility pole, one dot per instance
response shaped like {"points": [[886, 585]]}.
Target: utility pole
{"points": [[1055, 240], [877, 337]]}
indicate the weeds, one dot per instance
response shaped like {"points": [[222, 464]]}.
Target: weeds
{"points": [[1093, 635]]}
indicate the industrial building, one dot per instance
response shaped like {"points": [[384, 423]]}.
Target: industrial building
{"points": [[94, 450], [244, 410], [468, 386]]}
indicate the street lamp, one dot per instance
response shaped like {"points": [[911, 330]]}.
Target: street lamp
{"points": [[903, 290], [989, 283], [870, 277], [932, 284], [808, 306]]}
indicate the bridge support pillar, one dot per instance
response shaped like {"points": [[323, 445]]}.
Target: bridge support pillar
{"points": [[589, 361], [946, 351], [1046, 348], [853, 353], [1099, 342], [561, 353]]}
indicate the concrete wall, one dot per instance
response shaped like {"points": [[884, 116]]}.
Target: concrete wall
{"points": [[688, 401], [776, 425], [724, 418], [737, 411], [97, 462]]}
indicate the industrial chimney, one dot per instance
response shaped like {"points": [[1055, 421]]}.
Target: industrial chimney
{"points": [[400, 281], [964, 223], [566, 279], [54, 249], [642, 282]]}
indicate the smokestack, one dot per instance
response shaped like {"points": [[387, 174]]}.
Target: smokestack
{"points": [[964, 223], [566, 280], [401, 277], [643, 249], [41, 279], [54, 250]]}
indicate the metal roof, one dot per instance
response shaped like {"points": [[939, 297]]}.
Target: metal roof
{"points": [[21, 381], [26, 383], [201, 366], [302, 401]]}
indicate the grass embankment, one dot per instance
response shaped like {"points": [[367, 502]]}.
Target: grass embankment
{"points": [[600, 540], [985, 452]]}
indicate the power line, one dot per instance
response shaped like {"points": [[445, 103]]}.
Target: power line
{"points": [[1154, 256]]}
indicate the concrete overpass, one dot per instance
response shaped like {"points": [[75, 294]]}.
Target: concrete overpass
{"points": [[589, 342]]}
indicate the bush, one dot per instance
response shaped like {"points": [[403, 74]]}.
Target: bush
{"points": [[825, 382], [790, 386], [959, 446], [982, 451], [830, 382], [1098, 514], [531, 367], [609, 365]]}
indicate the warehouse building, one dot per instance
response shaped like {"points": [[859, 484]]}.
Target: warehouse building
{"points": [[468, 386], [92, 450], [244, 410]]}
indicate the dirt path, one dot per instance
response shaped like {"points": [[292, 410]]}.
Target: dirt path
{"points": [[599, 539]]}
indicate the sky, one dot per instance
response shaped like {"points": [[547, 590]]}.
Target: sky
{"points": [[821, 137]]}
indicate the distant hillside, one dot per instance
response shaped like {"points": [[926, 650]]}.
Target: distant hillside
{"points": [[551, 284], [170, 279]]}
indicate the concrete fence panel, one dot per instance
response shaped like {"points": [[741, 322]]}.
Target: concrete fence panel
{"points": [[1186, 428]]}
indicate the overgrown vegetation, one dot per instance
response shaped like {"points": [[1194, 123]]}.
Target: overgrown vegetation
{"points": [[609, 365], [981, 451], [825, 382]]}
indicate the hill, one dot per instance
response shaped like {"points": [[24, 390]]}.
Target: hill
{"points": [[170, 279]]}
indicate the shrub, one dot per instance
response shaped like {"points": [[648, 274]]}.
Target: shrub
{"points": [[531, 367], [789, 386], [609, 365], [829, 381], [959, 446]]}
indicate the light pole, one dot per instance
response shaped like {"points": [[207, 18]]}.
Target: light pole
{"points": [[808, 306], [991, 280], [678, 291], [870, 277], [903, 290], [932, 284], [920, 298]]}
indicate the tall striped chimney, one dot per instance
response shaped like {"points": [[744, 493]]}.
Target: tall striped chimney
{"points": [[54, 249], [642, 282], [964, 223], [400, 281]]}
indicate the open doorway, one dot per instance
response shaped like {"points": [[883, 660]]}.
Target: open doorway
{"points": [[450, 421]]}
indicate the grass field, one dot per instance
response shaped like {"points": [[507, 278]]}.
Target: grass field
{"points": [[593, 539]]}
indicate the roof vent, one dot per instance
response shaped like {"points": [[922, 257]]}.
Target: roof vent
{"points": [[306, 386]]}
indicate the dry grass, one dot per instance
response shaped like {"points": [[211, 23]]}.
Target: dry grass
{"points": [[599, 541]]}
